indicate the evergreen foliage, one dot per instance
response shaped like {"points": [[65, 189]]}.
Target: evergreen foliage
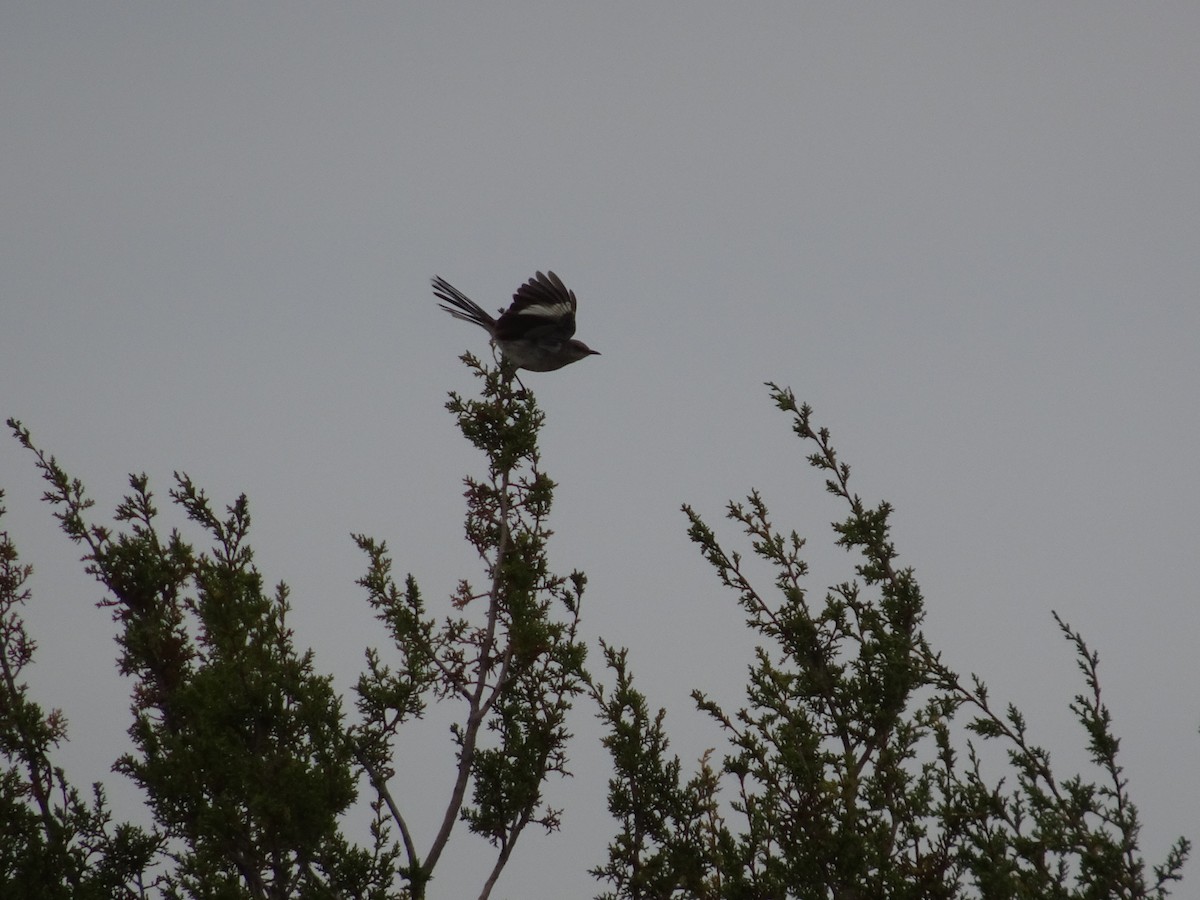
{"points": [[852, 771], [844, 775]]}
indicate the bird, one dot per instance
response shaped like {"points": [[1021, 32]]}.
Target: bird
{"points": [[535, 332]]}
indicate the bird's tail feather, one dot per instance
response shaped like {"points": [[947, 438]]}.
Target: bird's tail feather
{"points": [[460, 305]]}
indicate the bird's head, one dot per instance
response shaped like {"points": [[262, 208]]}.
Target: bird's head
{"points": [[577, 350]]}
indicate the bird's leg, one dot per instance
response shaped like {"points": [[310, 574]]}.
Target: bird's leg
{"points": [[509, 372]]}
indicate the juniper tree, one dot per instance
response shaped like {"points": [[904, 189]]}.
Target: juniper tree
{"points": [[54, 842], [243, 752], [845, 775], [509, 657], [850, 772], [239, 747]]}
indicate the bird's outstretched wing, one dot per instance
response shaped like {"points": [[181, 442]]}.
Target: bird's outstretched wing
{"points": [[542, 310]]}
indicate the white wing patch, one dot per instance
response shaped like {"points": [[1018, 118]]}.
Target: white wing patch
{"points": [[546, 310]]}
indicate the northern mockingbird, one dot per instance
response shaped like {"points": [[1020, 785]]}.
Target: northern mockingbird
{"points": [[534, 333]]}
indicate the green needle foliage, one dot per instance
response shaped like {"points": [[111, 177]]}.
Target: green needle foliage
{"points": [[843, 777], [53, 843], [242, 751], [853, 770], [510, 659]]}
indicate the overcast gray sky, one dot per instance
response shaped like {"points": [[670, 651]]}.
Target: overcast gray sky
{"points": [[969, 235]]}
